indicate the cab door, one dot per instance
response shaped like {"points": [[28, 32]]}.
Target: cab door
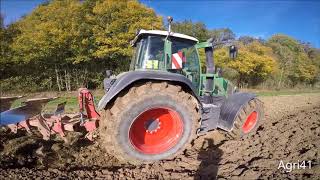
{"points": [[185, 60]]}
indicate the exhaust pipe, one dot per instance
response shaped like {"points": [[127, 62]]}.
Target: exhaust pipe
{"points": [[210, 68]]}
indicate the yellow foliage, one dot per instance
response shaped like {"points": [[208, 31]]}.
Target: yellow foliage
{"points": [[49, 30], [72, 31], [254, 61], [304, 69], [116, 23]]}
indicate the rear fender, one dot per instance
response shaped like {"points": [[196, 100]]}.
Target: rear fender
{"points": [[230, 109], [127, 79]]}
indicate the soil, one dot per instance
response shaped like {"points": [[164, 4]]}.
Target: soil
{"points": [[290, 133]]}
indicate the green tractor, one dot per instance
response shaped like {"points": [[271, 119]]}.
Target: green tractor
{"points": [[155, 110]]}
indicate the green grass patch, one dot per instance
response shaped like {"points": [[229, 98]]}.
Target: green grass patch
{"points": [[72, 105]]}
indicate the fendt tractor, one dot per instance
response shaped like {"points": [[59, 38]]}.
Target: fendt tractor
{"points": [[156, 109]]}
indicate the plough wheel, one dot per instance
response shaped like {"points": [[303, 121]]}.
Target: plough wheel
{"points": [[247, 120], [149, 122]]}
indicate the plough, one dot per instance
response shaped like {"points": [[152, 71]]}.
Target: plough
{"points": [[29, 115]]}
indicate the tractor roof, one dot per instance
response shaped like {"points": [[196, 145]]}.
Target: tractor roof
{"points": [[163, 33]]}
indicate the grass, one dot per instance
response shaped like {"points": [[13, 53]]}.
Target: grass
{"points": [[71, 105], [72, 101]]}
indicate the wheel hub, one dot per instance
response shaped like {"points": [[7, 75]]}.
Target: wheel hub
{"points": [[152, 125], [250, 122], [156, 130]]}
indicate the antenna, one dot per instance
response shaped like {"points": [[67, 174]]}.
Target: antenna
{"points": [[170, 19]]}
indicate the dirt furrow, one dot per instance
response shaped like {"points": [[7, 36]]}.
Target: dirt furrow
{"points": [[289, 133]]}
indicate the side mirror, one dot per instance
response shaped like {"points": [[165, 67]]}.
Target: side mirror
{"points": [[233, 51], [108, 73]]}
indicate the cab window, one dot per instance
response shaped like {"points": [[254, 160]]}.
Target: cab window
{"points": [[190, 65]]}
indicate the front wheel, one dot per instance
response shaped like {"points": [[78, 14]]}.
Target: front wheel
{"points": [[247, 120], [149, 122]]}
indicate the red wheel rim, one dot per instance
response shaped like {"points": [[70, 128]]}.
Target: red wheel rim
{"points": [[156, 130], [250, 122]]}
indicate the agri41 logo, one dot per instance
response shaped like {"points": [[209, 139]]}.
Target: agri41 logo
{"points": [[289, 166]]}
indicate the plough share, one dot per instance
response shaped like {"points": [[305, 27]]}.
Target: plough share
{"points": [[30, 116]]}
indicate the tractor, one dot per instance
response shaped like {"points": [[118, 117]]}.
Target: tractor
{"points": [[165, 101]]}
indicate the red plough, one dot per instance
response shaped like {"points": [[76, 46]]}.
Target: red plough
{"points": [[91, 120], [30, 115]]}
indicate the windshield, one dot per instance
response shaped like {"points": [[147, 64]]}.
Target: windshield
{"points": [[149, 53], [182, 56]]}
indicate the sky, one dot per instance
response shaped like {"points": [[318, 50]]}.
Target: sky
{"points": [[258, 18]]}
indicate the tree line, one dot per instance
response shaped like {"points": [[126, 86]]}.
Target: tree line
{"points": [[62, 44], [277, 62]]}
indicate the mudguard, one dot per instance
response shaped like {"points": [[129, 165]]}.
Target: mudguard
{"points": [[230, 109], [126, 79]]}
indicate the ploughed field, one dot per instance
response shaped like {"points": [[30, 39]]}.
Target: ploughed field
{"points": [[290, 133]]}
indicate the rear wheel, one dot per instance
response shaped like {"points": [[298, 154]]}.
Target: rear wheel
{"points": [[247, 120], [149, 122]]}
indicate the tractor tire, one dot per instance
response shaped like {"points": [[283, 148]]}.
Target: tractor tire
{"points": [[248, 119], [149, 122]]}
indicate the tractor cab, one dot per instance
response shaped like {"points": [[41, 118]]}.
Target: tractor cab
{"points": [[177, 53]]}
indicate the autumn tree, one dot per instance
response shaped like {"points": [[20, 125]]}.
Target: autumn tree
{"points": [[248, 39], [194, 29], [66, 42], [7, 34], [115, 23], [295, 64], [253, 64], [222, 34]]}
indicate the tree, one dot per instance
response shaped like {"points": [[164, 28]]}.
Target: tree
{"points": [[75, 41], [303, 70], [54, 33], [195, 29], [222, 34], [313, 53], [295, 64], [254, 63], [7, 34], [115, 23]]}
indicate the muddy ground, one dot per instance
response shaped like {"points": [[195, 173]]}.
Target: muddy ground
{"points": [[289, 133]]}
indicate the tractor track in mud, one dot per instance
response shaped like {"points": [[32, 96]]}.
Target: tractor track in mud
{"points": [[290, 132]]}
